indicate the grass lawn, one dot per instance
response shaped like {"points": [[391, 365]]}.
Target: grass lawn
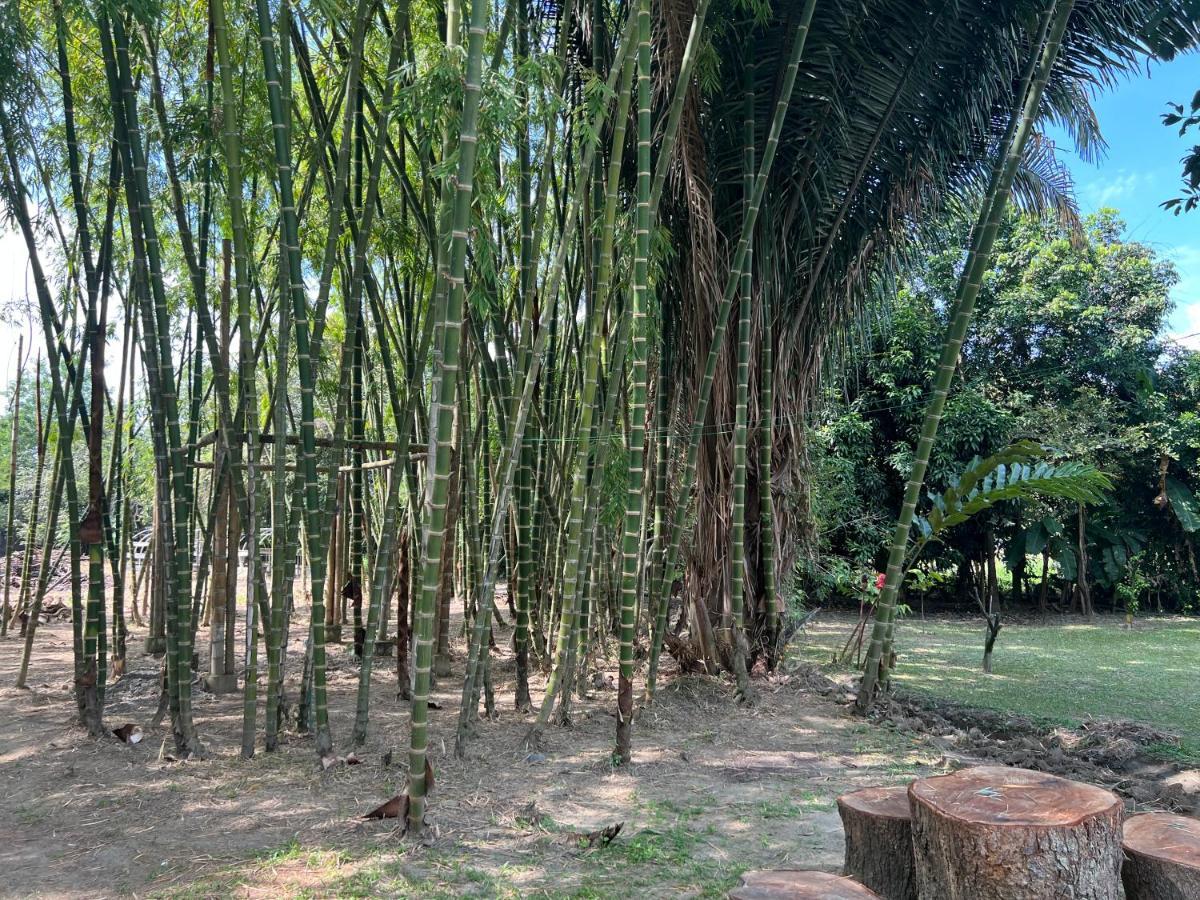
{"points": [[1062, 673]]}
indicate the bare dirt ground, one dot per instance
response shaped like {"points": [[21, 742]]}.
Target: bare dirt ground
{"points": [[715, 789]]}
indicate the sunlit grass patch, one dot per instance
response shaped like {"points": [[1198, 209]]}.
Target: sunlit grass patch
{"points": [[1062, 673]]}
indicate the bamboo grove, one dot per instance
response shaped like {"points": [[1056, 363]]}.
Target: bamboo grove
{"points": [[401, 303]]}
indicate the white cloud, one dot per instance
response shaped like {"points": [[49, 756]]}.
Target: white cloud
{"points": [[1110, 190]]}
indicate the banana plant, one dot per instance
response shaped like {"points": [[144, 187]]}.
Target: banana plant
{"points": [[1183, 504]]}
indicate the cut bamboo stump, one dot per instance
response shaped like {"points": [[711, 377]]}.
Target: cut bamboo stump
{"points": [[879, 851], [796, 884], [998, 833], [1162, 857]]}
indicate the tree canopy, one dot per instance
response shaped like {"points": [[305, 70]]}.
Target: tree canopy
{"points": [[1070, 350]]}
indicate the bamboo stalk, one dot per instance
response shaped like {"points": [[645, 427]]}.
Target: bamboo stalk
{"points": [[15, 413], [1028, 99]]}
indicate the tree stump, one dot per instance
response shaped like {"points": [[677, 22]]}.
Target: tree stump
{"points": [[795, 884], [1162, 857], [879, 852], [998, 833]]}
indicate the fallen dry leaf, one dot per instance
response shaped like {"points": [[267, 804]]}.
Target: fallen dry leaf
{"points": [[396, 808], [129, 733]]}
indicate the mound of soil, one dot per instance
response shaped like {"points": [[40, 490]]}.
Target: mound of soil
{"points": [[1129, 758]]}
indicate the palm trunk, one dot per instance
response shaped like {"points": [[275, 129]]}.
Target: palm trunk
{"points": [[700, 417]]}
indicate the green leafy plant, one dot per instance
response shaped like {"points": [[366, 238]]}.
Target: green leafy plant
{"points": [[1021, 471], [1132, 588]]}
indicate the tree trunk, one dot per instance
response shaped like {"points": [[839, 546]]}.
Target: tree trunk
{"points": [[997, 833], [989, 640], [156, 641], [1045, 585], [1018, 572], [992, 586], [1081, 580], [1162, 857], [879, 850], [219, 680]]}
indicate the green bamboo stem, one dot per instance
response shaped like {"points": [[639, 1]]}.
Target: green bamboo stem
{"points": [[737, 533], [306, 364], [1028, 101], [380, 584], [280, 558], [573, 572], [43, 435], [246, 421], [15, 189], [441, 417], [171, 461], [14, 412], [766, 499], [631, 546]]}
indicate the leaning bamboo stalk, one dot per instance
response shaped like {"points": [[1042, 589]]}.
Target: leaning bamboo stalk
{"points": [[43, 436], [15, 189], [1028, 100], [91, 529]]}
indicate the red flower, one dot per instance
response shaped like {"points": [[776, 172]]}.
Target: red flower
{"points": [[880, 580]]}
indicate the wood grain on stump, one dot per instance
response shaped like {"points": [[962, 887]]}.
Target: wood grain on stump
{"points": [[1162, 857], [999, 833], [795, 884], [879, 853]]}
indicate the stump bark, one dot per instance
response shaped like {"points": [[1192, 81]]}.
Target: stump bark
{"points": [[795, 884], [1162, 857], [998, 833], [879, 851]]}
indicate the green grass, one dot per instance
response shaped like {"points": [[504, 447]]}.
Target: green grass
{"points": [[1062, 673]]}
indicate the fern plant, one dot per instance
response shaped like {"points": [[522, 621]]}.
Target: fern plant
{"points": [[1021, 471]]}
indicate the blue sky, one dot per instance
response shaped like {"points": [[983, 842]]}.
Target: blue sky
{"points": [[1141, 169]]}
